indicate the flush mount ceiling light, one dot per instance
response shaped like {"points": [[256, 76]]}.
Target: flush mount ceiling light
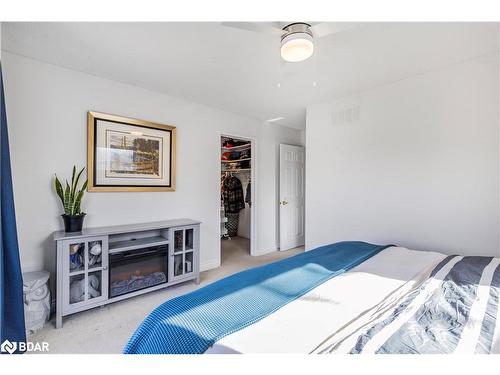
{"points": [[296, 38], [297, 42]]}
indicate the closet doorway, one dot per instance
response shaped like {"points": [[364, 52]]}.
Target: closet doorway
{"points": [[237, 191]]}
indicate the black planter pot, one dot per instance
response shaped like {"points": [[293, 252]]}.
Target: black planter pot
{"points": [[73, 223]]}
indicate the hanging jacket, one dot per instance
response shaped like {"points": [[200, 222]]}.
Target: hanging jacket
{"points": [[232, 192], [248, 194]]}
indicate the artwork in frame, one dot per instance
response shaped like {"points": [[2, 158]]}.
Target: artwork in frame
{"points": [[126, 154]]}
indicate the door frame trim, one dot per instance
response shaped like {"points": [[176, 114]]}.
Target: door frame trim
{"points": [[279, 192], [253, 192]]}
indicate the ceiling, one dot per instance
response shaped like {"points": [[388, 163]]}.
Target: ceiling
{"points": [[241, 71]]}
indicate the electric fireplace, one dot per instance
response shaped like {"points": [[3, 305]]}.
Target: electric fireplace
{"points": [[137, 269]]}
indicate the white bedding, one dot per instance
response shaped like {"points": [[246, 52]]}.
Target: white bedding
{"points": [[300, 326]]}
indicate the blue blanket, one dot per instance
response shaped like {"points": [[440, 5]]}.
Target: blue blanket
{"points": [[193, 322]]}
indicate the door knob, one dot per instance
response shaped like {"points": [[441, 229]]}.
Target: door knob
{"points": [[284, 203]]}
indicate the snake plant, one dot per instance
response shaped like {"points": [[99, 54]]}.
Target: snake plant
{"points": [[71, 196]]}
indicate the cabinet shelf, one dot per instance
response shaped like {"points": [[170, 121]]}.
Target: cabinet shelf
{"points": [[118, 246]]}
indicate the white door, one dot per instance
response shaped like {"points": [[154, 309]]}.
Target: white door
{"points": [[291, 196]]}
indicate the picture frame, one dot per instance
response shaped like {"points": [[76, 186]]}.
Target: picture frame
{"points": [[127, 154]]}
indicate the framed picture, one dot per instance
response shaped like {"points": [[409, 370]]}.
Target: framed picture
{"points": [[126, 154]]}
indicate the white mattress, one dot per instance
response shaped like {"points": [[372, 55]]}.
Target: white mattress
{"points": [[302, 325]]}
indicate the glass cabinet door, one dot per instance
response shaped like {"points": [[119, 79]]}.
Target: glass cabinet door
{"points": [[76, 288], [94, 259], [178, 269], [76, 257], [182, 258], [85, 264], [189, 239], [94, 285], [188, 262], [178, 241]]}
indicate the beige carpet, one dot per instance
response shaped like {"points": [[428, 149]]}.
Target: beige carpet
{"points": [[107, 329]]}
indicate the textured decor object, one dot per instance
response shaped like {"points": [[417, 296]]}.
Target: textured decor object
{"points": [[71, 199], [126, 154], [36, 300]]}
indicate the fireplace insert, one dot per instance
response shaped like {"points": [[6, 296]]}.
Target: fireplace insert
{"points": [[138, 269]]}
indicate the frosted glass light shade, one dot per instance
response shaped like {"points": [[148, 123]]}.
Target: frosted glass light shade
{"points": [[297, 47]]}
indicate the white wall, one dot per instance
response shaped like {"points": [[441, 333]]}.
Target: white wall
{"points": [[420, 168], [269, 191], [303, 137], [46, 107]]}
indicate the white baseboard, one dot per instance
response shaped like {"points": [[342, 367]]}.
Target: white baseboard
{"points": [[210, 264], [264, 252]]}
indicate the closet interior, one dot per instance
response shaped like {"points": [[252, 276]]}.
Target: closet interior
{"points": [[236, 196]]}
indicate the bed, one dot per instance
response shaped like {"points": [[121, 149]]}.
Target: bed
{"points": [[349, 297]]}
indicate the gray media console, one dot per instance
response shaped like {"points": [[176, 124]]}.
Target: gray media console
{"points": [[102, 265]]}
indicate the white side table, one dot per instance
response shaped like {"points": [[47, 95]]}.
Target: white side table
{"points": [[36, 300]]}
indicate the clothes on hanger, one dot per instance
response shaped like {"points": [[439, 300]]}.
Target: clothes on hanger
{"points": [[248, 194], [228, 143], [236, 155], [232, 192], [233, 222]]}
